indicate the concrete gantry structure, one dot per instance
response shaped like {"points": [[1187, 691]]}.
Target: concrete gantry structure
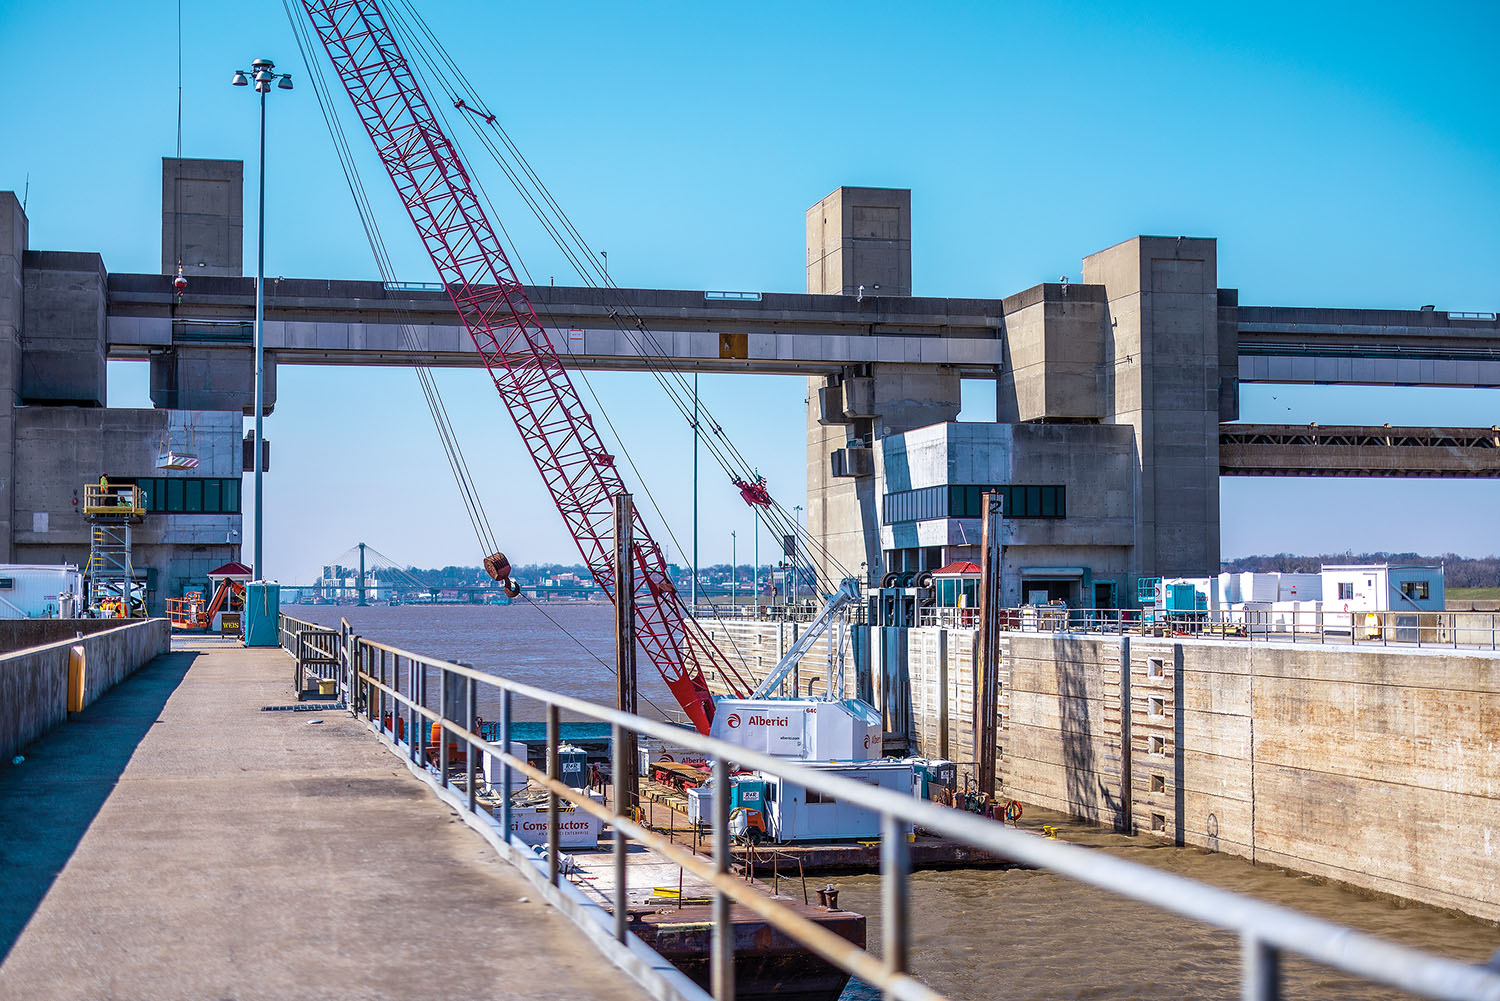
{"points": [[56, 427], [1147, 343]]}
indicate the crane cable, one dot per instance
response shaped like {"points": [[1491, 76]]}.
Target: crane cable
{"points": [[452, 450], [557, 223], [474, 506]]}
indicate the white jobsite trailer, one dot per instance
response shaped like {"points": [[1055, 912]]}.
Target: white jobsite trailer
{"points": [[34, 591], [1383, 587]]}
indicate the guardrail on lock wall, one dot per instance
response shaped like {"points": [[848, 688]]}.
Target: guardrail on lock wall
{"points": [[382, 682]]}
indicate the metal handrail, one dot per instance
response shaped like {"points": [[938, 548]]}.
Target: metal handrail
{"points": [[1449, 630], [1266, 931]]}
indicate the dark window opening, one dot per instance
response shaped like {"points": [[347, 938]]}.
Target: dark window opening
{"points": [[967, 501], [184, 495]]}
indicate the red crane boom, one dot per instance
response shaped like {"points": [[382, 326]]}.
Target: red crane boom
{"points": [[536, 389]]}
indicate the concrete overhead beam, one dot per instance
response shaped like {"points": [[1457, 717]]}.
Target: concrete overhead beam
{"points": [[309, 321]]}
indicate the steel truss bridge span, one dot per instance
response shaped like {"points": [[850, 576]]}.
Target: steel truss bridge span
{"points": [[1311, 450]]}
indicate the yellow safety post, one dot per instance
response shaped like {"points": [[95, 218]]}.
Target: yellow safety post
{"points": [[76, 678]]}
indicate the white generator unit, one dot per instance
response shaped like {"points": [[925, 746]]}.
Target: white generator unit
{"points": [[494, 768], [807, 729], [34, 591]]}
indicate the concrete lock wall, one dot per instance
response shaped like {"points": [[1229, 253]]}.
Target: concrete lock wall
{"points": [[18, 634], [34, 681], [754, 646], [1373, 768]]}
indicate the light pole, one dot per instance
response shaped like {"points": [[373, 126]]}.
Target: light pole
{"points": [[755, 567], [262, 73], [695, 490], [792, 559], [733, 569]]}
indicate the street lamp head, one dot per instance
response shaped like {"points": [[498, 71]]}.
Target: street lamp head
{"points": [[262, 64], [285, 83], [240, 80]]}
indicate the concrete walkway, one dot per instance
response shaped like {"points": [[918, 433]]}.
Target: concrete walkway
{"points": [[176, 842]]}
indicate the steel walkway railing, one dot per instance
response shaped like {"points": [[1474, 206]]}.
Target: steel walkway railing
{"points": [[382, 681], [1450, 630]]}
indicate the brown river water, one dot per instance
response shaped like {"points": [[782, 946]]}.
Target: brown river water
{"points": [[996, 933]]}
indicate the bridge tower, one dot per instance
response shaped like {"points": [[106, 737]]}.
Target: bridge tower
{"points": [[111, 512], [859, 245]]}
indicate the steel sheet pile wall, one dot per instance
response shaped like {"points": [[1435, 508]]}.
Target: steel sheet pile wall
{"points": [[942, 691], [34, 681], [1373, 767]]}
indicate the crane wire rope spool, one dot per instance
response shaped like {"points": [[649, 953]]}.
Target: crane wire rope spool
{"points": [[474, 507], [565, 446], [478, 517], [671, 377]]}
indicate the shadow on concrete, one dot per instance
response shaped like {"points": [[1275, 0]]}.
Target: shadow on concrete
{"points": [[1088, 796], [48, 802]]}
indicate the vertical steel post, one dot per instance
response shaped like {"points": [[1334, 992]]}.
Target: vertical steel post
{"points": [[443, 727], [505, 765], [942, 713], [414, 721], [554, 772], [627, 783], [755, 570], [695, 493], [622, 896], [425, 732], [1127, 822], [1260, 975], [987, 666], [471, 713], [722, 959], [895, 902]]}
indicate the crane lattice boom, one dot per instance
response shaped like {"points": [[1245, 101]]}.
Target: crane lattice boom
{"points": [[554, 425]]}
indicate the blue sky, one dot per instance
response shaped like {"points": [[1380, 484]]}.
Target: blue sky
{"points": [[1343, 155]]}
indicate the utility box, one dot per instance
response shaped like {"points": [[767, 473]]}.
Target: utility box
{"points": [[748, 792], [573, 766], [262, 615]]}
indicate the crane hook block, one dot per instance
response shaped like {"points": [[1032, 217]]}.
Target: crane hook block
{"points": [[755, 494], [498, 567]]}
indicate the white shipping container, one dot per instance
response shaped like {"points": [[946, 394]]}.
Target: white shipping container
{"points": [[1300, 587], [1259, 587], [32, 591]]}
